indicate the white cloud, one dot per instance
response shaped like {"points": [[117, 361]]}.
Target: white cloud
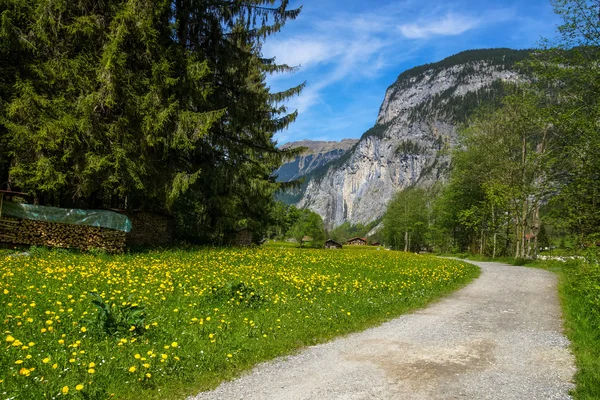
{"points": [[303, 52], [450, 25], [341, 48]]}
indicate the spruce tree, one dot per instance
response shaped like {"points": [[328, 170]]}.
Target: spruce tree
{"points": [[139, 103]]}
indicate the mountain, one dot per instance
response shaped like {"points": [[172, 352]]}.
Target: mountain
{"points": [[316, 155], [410, 142]]}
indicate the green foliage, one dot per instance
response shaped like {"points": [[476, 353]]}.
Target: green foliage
{"points": [[580, 292], [308, 224], [138, 104], [511, 146], [409, 147], [377, 131], [347, 231], [119, 320], [459, 108], [407, 220], [242, 293], [537, 153], [568, 72], [283, 217]]}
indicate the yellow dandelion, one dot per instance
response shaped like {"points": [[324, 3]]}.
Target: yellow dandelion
{"points": [[92, 365], [65, 390], [91, 371], [46, 360], [79, 387], [174, 344], [83, 329], [132, 369]]}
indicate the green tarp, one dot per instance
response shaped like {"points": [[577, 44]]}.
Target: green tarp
{"points": [[98, 218]]}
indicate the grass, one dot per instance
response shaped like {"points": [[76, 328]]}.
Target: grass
{"points": [[580, 299], [579, 289], [166, 324]]}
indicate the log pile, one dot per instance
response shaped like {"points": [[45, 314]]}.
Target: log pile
{"points": [[40, 233], [150, 229]]}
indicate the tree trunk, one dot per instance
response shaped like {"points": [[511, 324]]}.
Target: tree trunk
{"points": [[495, 231], [406, 241], [481, 244]]}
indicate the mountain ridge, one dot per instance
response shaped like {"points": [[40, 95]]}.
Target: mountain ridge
{"points": [[410, 141]]}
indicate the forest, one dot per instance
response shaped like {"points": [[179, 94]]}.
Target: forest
{"points": [[156, 105]]}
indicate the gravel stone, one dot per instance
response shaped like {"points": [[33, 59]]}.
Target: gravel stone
{"points": [[498, 338]]}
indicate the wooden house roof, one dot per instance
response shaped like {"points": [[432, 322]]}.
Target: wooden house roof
{"points": [[358, 238]]}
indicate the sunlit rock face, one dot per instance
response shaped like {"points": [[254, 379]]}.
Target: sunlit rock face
{"points": [[410, 144]]}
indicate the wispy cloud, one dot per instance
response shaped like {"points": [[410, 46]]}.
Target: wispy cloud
{"points": [[339, 49], [349, 55], [449, 25]]}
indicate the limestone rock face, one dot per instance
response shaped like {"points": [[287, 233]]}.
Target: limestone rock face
{"points": [[410, 143]]}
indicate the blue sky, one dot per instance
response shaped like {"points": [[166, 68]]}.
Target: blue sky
{"points": [[350, 51]]}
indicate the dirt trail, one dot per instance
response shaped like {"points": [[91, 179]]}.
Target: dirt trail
{"points": [[498, 338]]}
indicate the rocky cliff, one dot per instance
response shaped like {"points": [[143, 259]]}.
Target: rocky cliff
{"points": [[317, 155], [410, 142]]}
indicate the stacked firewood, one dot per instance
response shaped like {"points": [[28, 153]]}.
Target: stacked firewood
{"points": [[40, 233], [150, 229]]}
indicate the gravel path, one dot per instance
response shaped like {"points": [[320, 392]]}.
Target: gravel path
{"points": [[498, 338]]}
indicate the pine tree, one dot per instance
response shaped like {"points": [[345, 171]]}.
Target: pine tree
{"points": [[139, 103]]}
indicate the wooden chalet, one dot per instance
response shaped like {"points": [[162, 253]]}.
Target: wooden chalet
{"points": [[357, 241], [332, 244], [375, 244]]}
